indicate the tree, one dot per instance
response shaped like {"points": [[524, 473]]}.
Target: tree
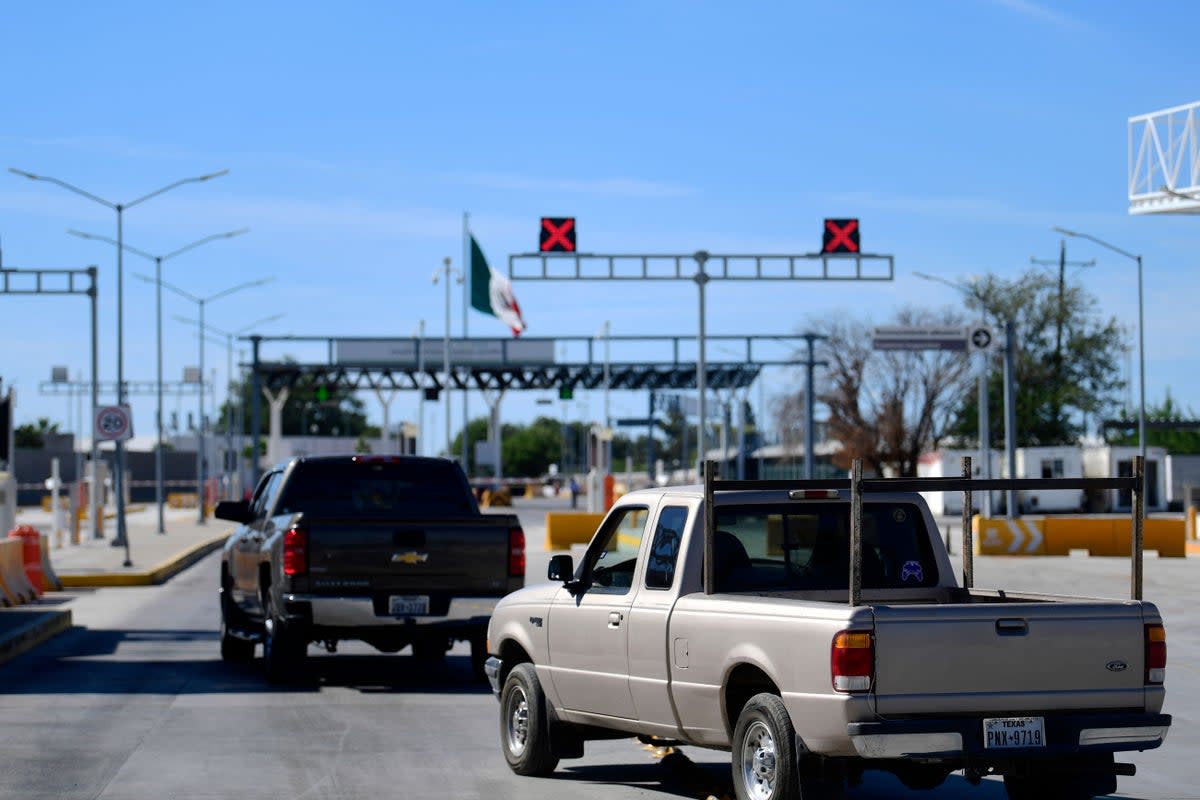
{"points": [[34, 436], [1176, 442], [1067, 360], [885, 407], [311, 409]]}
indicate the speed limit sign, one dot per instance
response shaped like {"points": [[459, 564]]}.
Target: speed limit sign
{"points": [[114, 423]]}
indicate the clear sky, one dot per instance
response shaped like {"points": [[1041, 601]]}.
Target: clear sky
{"points": [[357, 135]]}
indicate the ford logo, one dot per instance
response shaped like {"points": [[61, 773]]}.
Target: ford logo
{"points": [[1116, 666]]}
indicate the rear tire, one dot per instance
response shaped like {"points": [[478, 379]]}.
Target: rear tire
{"points": [[765, 763], [524, 729]]}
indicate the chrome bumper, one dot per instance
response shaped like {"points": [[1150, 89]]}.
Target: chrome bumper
{"points": [[359, 612]]}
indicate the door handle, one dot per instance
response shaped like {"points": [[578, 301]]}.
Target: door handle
{"points": [[614, 619], [1012, 627]]}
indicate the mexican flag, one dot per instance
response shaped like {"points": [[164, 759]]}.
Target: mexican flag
{"points": [[491, 292]]}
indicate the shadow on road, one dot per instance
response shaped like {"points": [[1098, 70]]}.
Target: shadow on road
{"points": [[86, 661]]}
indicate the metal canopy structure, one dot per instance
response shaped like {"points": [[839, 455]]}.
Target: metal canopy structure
{"points": [[411, 363], [1164, 161]]}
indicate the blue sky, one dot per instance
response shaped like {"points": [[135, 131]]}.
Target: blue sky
{"points": [[357, 136]]}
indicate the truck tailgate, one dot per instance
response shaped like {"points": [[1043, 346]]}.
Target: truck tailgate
{"points": [[1009, 657], [465, 556]]}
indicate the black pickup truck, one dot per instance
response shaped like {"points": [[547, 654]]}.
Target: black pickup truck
{"points": [[389, 550]]}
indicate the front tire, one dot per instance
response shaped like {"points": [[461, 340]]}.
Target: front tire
{"points": [[524, 731], [765, 763]]}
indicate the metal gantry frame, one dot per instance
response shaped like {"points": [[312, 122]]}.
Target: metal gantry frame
{"points": [[676, 373], [858, 486], [68, 281], [725, 266], [1164, 161]]}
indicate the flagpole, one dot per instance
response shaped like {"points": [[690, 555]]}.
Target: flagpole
{"points": [[466, 313]]}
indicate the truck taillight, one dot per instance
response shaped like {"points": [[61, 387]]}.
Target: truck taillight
{"points": [[852, 661], [516, 553], [295, 552], [1156, 654]]}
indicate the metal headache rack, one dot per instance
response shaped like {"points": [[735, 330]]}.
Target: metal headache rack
{"points": [[858, 486]]}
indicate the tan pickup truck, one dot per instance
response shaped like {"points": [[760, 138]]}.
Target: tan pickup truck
{"points": [[817, 633]]}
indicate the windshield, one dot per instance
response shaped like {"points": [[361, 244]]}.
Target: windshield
{"points": [[796, 547], [391, 488]]}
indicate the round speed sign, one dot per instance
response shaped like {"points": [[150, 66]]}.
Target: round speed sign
{"points": [[113, 423]]}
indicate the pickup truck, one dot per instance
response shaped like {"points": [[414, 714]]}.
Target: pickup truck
{"points": [[390, 550], [816, 633]]}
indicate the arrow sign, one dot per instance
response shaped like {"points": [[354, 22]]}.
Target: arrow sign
{"points": [[980, 338]]}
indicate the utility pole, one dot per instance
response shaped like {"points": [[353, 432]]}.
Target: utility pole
{"points": [[1060, 318]]}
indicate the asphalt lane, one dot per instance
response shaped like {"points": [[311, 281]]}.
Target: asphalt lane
{"points": [[133, 702]]}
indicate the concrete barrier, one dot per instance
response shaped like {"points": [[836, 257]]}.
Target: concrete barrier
{"points": [[565, 528], [16, 586], [1059, 535], [50, 580]]}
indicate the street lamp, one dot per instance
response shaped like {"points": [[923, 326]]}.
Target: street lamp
{"points": [[158, 261], [119, 481], [200, 302], [229, 336], [1141, 332], [448, 270]]}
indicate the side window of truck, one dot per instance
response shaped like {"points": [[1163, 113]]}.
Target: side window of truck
{"points": [[267, 496], [664, 549], [611, 561]]}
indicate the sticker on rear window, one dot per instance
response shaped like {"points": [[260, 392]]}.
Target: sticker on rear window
{"points": [[899, 515], [912, 570]]}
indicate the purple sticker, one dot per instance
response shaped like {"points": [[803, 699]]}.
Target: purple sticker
{"points": [[912, 569]]}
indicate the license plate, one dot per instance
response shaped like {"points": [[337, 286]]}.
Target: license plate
{"points": [[408, 605], [1007, 732]]}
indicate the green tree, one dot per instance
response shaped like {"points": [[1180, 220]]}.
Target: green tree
{"points": [[34, 436], [1067, 359], [1176, 442], [312, 409]]}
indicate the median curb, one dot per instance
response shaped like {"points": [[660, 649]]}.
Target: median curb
{"points": [[25, 636], [161, 573]]}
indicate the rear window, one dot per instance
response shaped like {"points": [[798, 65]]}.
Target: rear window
{"points": [[796, 547], [401, 488]]}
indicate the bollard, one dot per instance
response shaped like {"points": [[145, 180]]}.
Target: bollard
{"points": [[31, 554]]}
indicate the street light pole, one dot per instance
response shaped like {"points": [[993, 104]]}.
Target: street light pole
{"points": [[448, 270], [119, 478], [1141, 332], [201, 301], [158, 260]]}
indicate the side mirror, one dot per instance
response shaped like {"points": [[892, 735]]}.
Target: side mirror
{"points": [[561, 569], [233, 510]]}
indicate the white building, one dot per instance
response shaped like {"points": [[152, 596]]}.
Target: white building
{"points": [[1117, 462], [948, 464], [1064, 461]]}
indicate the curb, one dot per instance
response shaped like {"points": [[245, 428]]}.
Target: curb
{"points": [[158, 574], [43, 626]]}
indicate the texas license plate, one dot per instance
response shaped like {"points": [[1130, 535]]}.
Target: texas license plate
{"points": [[408, 605], [1006, 732]]}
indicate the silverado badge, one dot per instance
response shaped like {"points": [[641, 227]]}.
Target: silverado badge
{"points": [[411, 557]]}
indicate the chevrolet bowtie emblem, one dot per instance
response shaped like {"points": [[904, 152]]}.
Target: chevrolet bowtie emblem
{"points": [[411, 557]]}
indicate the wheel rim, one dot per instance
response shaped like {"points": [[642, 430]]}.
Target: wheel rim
{"points": [[517, 720], [759, 761]]}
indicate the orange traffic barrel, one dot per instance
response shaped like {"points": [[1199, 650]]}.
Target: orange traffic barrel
{"points": [[31, 553]]}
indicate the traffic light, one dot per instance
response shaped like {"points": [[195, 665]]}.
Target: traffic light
{"points": [[565, 393], [431, 395], [557, 235], [841, 236]]}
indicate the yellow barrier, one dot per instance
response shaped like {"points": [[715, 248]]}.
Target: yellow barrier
{"points": [[50, 580], [1058, 536], [500, 497], [531, 490], [13, 581], [565, 528], [1191, 523], [63, 502], [181, 499]]}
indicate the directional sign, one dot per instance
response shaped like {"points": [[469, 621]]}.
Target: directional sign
{"points": [[899, 337], [114, 423], [841, 236], [980, 338], [1011, 537], [557, 235]]}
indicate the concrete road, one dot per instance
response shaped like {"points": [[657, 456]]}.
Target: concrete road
{"points": [[135, 703]]}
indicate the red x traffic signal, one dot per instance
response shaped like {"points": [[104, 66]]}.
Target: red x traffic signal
{"points": [[558, 235], [840, 236]]}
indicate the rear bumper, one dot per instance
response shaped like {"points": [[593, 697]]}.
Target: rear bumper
{"points": [[363, 612], [962, 737]]}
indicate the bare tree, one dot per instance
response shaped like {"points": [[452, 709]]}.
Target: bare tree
{"points": [[888, 407]]}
